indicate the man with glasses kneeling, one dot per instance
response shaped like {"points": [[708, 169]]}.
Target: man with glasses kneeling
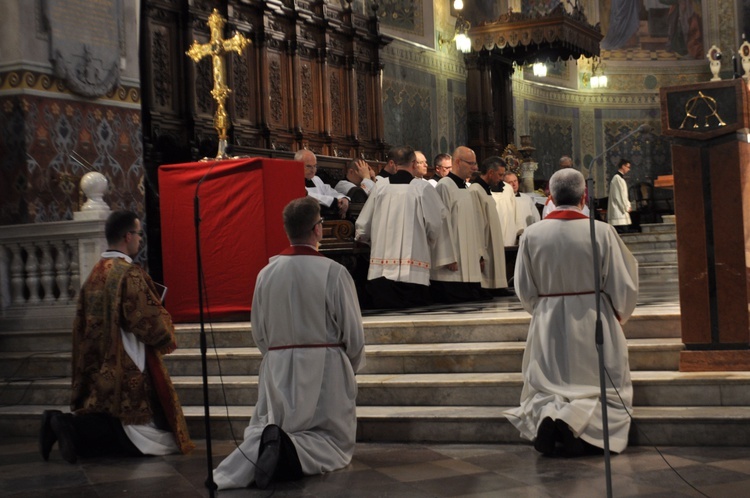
{"points": [[307, 324]]}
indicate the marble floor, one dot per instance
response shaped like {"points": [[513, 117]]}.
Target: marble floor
{"points": [[398, 470]]}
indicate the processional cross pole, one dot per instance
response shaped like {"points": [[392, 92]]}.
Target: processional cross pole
{"points": [[216, 48]]}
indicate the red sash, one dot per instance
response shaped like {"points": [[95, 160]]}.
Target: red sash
{"points": [[303, 346]]}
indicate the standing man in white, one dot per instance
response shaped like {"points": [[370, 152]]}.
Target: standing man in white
{"points": [[560, 406], [618, 207], [307, 324]]}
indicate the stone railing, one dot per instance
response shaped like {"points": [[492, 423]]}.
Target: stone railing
{"points": [[43, 265]]}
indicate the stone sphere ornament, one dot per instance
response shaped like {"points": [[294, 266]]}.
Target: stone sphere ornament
{"points": [[94, 185]]}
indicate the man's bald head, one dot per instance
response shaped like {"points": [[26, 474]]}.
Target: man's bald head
{"points": [[565, 162], [464, 162]]}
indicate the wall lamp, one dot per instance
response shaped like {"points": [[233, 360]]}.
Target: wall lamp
{"points": [[460, 32]]}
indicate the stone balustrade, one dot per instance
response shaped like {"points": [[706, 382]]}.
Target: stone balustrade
{"points": [[45, 263]]}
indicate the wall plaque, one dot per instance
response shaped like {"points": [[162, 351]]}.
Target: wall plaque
{"points": [[85, 43]]}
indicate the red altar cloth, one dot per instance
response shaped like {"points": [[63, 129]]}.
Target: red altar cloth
{"points": [[241, 201]]}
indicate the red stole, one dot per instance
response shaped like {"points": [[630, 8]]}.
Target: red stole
{"points": [[300, 251], [566, 214]]}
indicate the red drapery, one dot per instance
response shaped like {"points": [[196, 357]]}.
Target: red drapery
{"points": [[241, 227]]}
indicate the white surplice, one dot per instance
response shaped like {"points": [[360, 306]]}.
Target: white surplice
{"points": [[506, 210], [464, 233], [344, 186], [408, 229], [309, 392], [618, 206], [554, 280], [526, 212], [491, 229], [324, 193]]}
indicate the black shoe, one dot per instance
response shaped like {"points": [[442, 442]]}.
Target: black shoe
{"points": [[572, 446], [65, 432], [210, 484], [546, 436], [268, 456], [47, 437]]}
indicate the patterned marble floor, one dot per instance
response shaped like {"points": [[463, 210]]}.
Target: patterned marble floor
{"points": [[397, 470]]}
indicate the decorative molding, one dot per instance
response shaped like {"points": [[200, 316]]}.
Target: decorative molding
{"points": [[430, 61], [563, 97], [24, 81]]}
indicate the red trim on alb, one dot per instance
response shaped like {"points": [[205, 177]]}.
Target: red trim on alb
{"points": [[299, 251], [566, 214], [567, 294]]}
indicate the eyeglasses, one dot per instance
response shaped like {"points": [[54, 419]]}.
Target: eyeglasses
{"points": [[311, 166], [319, 222], [138, 232], [470, 163]]}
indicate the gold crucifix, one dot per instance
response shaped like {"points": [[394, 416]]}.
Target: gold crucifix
{"points": [[216, 48]]}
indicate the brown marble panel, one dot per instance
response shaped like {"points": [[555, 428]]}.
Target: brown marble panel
{"points": [[729, 242], [691, 245], [714, 361]]}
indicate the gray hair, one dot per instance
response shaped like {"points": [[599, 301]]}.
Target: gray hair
{"points": [[567, 187]]}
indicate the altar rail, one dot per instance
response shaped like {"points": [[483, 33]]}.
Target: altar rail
{"points": [[43, 263]]}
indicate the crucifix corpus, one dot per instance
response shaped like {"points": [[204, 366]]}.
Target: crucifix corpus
{"points": [[216, 48]]}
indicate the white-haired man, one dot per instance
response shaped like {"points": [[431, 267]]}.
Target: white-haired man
{"points": [[326, 195], [560, 406]]}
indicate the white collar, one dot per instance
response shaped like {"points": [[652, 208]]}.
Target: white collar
{"points": [[112, 253]]}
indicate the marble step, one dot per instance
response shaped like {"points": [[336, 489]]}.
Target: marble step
{"points": [[658, 227], [650, 270], [654, 354], [664, 426], [650, 388], [410, 329], [657, 256], [649, 242]]}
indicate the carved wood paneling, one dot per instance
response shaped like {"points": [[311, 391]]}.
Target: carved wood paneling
{"points": [[310, 78], [363, 126], [336, 97], [308, 97], [276, 90]]}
